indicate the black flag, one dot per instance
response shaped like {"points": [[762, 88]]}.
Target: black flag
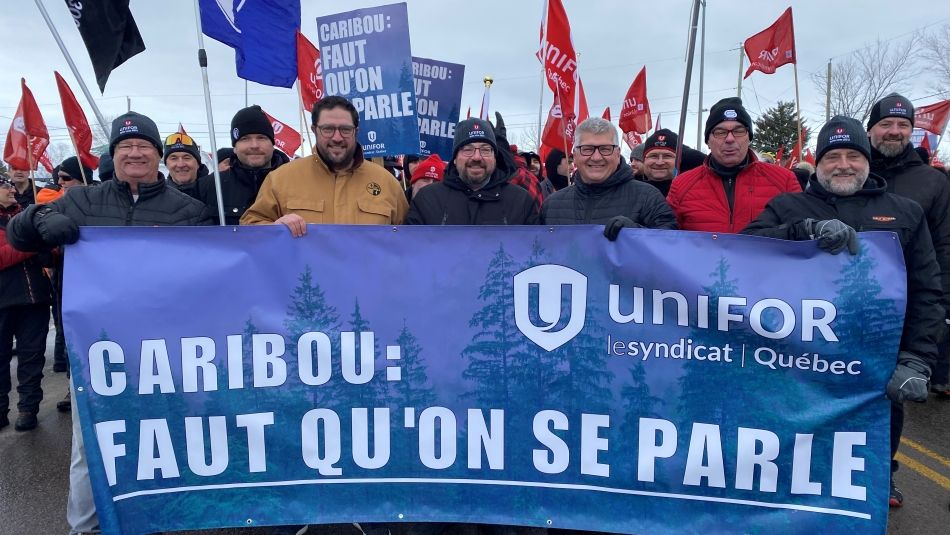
{"points": [[109, 32]]}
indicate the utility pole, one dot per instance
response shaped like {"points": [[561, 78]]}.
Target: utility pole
{"points": [[828, 94]]}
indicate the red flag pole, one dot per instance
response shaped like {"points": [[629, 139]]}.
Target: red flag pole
{"points": [[563, 125]]}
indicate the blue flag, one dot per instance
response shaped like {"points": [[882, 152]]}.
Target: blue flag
{"points": [[262, 34]]}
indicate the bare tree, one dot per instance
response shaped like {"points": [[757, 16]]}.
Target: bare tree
{"points": [[59, 151], [527, 139], [865, 76], [935, 49]]}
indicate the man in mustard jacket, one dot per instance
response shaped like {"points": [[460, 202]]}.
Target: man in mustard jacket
{"points": [[335, 185]]}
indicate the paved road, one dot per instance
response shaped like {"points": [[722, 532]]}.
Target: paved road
{"points": [[34, 472]]}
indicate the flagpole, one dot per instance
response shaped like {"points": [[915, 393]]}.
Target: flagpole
{"points": [[79, 159], [798, 112], [303, 113], [29, 159], [702, 69], [203, 63], [72, 66], [540, 108], [691, 50], [741, 64]]}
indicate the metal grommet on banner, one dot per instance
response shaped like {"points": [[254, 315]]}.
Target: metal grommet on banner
{"points": [[234, 229], [550, 229], [249, 522], [401, 516], [395, 229], [79, 389], [715, 236], [549, 522]]}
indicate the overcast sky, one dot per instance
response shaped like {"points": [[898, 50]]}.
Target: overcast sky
{"points": [[613, 38]]}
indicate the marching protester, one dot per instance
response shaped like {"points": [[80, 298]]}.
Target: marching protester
{"points": [[252, 135], [24, 316], [659, 159], [24, 186], [426, 172], [138, 196], [604, 191], [476, 189], [890, 123], [335, 185], [183, 161], [733, 186], [843, 195]]}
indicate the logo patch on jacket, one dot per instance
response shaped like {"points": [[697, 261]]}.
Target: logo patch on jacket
{"points": [[374, 189], [884, 218]]}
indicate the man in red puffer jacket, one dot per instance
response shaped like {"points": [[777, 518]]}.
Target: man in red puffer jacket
{"points": [[732, 186]]}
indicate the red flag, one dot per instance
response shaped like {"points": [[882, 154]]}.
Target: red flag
{"points": [[632, 139], [309, 72], [635, 114], [933, 118], [606, 114], [584, 112], [46, 163], [780, 154], [77, 124], [555, 129], [181, 129], [27, 133], [557, 54], [809, 157], [796, 154], [286, 138], [772, 47]]}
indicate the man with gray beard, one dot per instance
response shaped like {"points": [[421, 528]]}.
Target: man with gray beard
{"points": [[890, 125], [843, 195]]}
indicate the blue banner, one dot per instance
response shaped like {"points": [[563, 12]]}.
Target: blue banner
{"points": [[668, 382], [438, 104], [263, 34], [367, 58]]}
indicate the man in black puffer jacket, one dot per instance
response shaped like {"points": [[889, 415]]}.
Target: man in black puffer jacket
{"points": [[137, 196], [475, 190], [843, 196], [254, 156], [605, 191]]}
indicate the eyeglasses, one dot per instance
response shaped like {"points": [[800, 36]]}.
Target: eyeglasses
{"points": [[179, 138], [588, 150], [469, 150], [738, 133], [6, 185], [328, 131], [129, 147]]}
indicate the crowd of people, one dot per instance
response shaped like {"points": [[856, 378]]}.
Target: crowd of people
{"points": [[866, 177]]}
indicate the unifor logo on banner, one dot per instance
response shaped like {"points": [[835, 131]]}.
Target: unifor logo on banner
{"points": [[550, 281]]}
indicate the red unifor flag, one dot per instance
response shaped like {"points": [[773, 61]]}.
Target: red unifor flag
{"points": [[309, 72], [27, 133], [583, 112], [809, 157], [554, 129], [780, 154], [557, 55], [635, 113], [286, 138], [933, 118], [632, 139], [606, 115], [46, 162], [77, 124], [772, 47]]}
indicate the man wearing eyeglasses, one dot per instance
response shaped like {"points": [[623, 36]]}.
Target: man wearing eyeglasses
{"points": [[252, 136], [732, 187], [335, 185], [476, 188], [605, 191], [183, 161]]}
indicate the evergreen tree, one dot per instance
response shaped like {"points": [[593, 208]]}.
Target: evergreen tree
{"points": [[373, 393], [413, 389], [865, 320], [309, 311], [489, 355], [778, 127]]}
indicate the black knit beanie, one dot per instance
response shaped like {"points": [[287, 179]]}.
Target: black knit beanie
{"points": [[728, 109], [251, 120]]}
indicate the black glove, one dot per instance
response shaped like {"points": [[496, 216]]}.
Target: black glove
{"points": [[500, 129], [612, 228], [909, 380], [832, 234], [54, 227]]}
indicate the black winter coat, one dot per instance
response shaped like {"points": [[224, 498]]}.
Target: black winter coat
{"points": [[190, 189], [22, 280], [452, 202], [908, 176], [239, 188], [595, 204], [110, 204], [872, 208]]}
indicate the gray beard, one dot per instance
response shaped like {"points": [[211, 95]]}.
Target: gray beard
{"points": [[842, 191], [890, 150]]}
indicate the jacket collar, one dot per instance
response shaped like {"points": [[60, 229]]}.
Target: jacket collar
{"points": [[621, 175], [873, 186]]}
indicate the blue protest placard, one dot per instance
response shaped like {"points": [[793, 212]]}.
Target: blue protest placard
{"points": [[367, 58], [438, 104], [508, 375]]}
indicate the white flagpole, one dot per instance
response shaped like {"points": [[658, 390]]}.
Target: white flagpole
{"points": [[689, 72], [203, 63], [72, 66]]}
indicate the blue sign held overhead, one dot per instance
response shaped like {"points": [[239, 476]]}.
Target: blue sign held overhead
{"points": [[538, 377], [367, 58], [438, 104]]}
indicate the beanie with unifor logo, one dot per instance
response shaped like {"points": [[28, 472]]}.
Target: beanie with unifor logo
{"points": [[892, 105], [471, 131], [728, 109], [660, 140], [251, 120], [432, 167], [133, 125], [842, 132]]}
